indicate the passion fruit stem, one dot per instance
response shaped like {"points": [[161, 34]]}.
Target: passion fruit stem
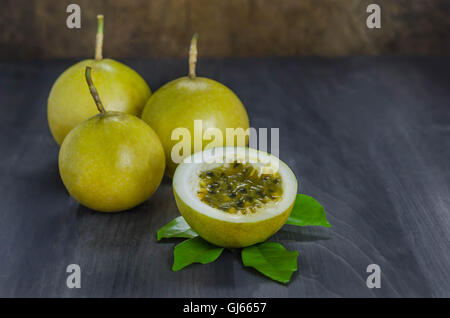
{"points": [[193, 52], [93, 90], [99, 38]]}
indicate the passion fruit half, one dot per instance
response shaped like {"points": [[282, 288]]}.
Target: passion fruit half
{"points": [[234, 196]]}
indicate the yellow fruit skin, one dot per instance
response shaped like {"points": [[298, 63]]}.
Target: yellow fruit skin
{"points": [[180, 102], [70, 103], [230, 234], [111, 162]]}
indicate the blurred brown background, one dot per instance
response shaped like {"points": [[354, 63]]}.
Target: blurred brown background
{"points": [[37, 29]]}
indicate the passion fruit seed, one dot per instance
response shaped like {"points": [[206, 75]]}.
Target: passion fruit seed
{"points": [[238, 188]]}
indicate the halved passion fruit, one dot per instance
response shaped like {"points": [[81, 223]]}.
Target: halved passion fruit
{"points": [[234, 196]]}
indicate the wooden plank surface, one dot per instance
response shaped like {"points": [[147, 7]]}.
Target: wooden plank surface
{"points": [[36, 29], [368, 137]]}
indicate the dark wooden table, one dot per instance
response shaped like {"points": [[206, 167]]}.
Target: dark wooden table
{"points": [[368, 137]]}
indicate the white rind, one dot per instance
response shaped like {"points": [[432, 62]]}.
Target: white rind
{"points": [[185, 181]]}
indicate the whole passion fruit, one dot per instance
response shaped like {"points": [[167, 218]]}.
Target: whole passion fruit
{"points": [[69, 102], [186, 101], [234, 196], [111, 162]]}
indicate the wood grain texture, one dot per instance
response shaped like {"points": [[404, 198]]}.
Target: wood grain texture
{"points": [[36, 29], [368, 137]]}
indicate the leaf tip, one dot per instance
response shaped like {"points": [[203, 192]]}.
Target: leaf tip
{"points": [[176, 269]]}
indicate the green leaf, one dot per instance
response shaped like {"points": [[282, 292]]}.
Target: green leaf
{"points": [[176, 228], [307, 211], [272, 260], [194, 250]]}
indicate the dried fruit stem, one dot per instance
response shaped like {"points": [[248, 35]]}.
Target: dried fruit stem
{"points": [[193, 55], [93, 90], [99, 38]]}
